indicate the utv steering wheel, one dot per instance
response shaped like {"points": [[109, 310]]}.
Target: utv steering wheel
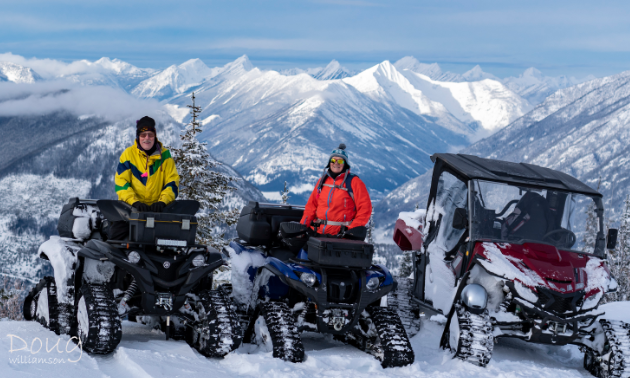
{"points": [[567, 237]]}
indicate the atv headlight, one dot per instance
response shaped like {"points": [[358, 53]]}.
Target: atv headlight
{"points": [[309, 279], [373, 283], [133, 257], [198, 260]]}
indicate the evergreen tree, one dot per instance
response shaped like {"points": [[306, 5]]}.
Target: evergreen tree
{"points": [[199, 181], [619, 260], [285, 194], [370, 229]]}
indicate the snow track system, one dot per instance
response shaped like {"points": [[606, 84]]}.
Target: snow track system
{"points": [[218, 331], [470, 336], [615, 361], [41, 304], [285, 337], [392, 348], [98, 322], [400, 300]]}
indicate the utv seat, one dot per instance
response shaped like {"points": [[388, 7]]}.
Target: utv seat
{"points": [[536, 217]]}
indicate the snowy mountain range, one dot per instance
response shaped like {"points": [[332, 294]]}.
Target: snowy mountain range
{"points": [[285, 127], [332, 71], [388, 112], [47, 159], [581, 130], [531, 84]]}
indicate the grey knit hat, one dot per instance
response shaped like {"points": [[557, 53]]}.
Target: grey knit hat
{"points": [[340, 152]]}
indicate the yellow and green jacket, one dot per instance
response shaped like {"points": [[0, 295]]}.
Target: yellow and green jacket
{"points": [[147, 179]]}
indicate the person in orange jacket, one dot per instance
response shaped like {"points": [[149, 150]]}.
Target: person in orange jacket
{"points": [[339, 199]]}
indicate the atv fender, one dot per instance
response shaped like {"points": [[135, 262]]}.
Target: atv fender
{"points": [[62, 254]]}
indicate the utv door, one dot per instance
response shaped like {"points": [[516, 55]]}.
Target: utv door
{"points": [[448, 224]]}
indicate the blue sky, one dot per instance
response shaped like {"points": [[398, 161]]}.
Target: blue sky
{"points": [[558, 37]]}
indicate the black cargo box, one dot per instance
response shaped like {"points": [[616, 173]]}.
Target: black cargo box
{"points": [[340, 252], [259, 223], [147, 227]]}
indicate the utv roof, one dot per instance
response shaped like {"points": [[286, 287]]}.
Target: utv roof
{"points": [[473, 167]]}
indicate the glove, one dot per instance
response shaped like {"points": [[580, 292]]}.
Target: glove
{"points": [[141, 206], [158, 207]]}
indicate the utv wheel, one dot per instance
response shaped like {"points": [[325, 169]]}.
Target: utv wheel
{"points": [[218, 332], [276, 330], [98, 322], [470, 336]]}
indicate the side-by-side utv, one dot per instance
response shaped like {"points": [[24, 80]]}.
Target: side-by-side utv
{"points": [[157, 276], [502, 252]]}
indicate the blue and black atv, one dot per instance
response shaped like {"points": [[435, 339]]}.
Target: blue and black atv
{"points": [[282, 290]]}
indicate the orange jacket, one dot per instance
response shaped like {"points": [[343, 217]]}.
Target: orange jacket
{"points": [[335, 204]]}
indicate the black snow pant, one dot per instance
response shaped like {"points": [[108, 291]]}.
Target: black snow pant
{"points": [[118, 230]]}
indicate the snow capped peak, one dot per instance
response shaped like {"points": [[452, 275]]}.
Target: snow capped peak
{"points": [[242, 62], [17, 73], [332, 71], [117, 66], [195, 69], [410, 63], [477, 74], [536, 87], [533, 72]]}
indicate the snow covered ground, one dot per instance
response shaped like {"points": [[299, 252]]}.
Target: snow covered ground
{"points": [[145, 353]]}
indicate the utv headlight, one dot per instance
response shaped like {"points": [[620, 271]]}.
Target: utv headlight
{"points": [[133, 257], [373, 283], [309, 279], [198, 260], [475, 297]]}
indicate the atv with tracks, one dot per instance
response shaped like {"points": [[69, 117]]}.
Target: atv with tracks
{"points": [[282, 289], [159, 276]]}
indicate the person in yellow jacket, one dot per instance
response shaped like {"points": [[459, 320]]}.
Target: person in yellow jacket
{"points": [[146, 176]]}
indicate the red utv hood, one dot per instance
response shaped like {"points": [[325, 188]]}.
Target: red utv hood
{"points": [[535, 265]]}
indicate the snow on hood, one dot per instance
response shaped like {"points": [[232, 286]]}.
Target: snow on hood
{"points": [[506, 266]]}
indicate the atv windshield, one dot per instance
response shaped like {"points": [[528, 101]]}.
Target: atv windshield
{"points": [[517, 214]]}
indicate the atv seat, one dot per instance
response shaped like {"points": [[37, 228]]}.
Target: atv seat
{"points": [[281, 254]]}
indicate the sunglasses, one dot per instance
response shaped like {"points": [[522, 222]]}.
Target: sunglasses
{"points": [[336, 161], [146, 134]]}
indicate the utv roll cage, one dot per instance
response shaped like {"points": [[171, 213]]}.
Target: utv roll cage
{"points": [[469, 167]]}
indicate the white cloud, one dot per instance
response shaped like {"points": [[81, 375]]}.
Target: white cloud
{"points": [[48, 97]]}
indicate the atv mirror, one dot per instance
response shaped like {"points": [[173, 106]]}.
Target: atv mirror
{"points": [[460, 218], [611, 238]]}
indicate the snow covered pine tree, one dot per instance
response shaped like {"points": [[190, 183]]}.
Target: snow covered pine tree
{"points": [[620, 258], [284, 194], [199, 182]]}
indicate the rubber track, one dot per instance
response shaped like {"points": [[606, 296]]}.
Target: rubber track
{"points": [[286, 340], [617, 365], [241, 314], [223, 333], [394, 343], [476, 340], [105, 330], [53, 308], [400, 300]]}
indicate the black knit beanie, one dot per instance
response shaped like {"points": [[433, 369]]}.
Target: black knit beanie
{"points": [[145, 124]]}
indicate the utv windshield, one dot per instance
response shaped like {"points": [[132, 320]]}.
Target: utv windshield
{"points": [[519, 214]]}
